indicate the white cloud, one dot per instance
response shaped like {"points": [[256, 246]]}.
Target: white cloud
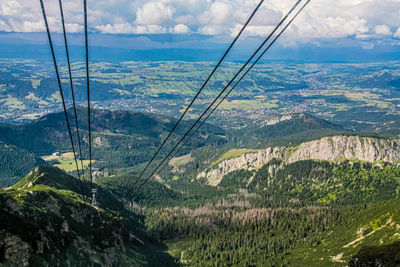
{"points": [[4, 27], [383, 30], [218, 14], [211, 29], [73, 27], [127, 28], [120, 28], [252, 30], [397, 33], [10, 8], [367, 46], [150, 29], [33, 26], [363, 19], [180, 28], [154, 13]]}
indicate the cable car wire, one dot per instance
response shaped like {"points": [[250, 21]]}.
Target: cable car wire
{"points": [[72, 85], [227, 86], [61, 90], [195, 97]]}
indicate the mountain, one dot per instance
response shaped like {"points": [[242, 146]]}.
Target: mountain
{"points": [[44, 221], [15, 162], [120, 138], [335, 148], [326, 202], [280, 206], [294, 128]]}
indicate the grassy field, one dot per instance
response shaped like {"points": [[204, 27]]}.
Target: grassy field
{"points": [[65, 161]]}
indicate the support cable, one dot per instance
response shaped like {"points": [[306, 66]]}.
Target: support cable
{"points": [[88, 93], [227, 86], [244, 75], [195, 97], [61, 91], [72, 85]]}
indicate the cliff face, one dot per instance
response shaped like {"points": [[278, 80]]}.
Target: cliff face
{"points": [[349, 147], [328, 148], [250, 161]]}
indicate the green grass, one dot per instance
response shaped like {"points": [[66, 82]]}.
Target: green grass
{"points": [[177, 246], [181, 161], [66, 161]]}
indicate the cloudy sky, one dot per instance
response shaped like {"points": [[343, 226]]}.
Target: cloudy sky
{"points": [[324, 19]]}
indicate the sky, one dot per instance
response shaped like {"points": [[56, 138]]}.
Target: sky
{"points": [[364, 24]]}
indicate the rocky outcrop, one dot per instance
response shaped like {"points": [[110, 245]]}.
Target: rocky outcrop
{"points": [[250, 161], [334, 148], [350, 147]]}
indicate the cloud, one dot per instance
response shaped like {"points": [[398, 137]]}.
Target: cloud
{"points": [[383, 30], [180, 28], [120, 28], [219, 13], [397, 33], [367, 46], [212, 29], [154, 13], [127, 28], [10, 8], [4, 27], [252, 30], [33, 26], [323, 19], [73, 27]]}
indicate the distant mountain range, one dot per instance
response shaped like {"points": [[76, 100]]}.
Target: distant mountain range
{"points": [[190, 47]]}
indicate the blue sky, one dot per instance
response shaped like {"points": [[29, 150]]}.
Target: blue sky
{"points": [[368, 25]]}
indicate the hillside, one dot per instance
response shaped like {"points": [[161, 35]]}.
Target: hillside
{"points": [[280, 207], [289, 129], [336, 148], [119, 137], [327, 202], [15, 162], [44, 221], [236, 232], [123, 139]]}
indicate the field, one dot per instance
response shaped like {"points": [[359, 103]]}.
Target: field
{"points": [[65, 161]]}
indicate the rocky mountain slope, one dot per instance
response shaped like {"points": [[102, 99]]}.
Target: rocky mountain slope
{"points": [[334, 148], [44, 221]]}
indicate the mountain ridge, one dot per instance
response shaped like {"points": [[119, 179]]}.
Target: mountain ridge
{"points": [[45, 221], [334, 148]]}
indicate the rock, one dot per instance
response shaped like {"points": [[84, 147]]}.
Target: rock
{"points": [[366, 149], [350, 147], [15, 250], [250, 161]]}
